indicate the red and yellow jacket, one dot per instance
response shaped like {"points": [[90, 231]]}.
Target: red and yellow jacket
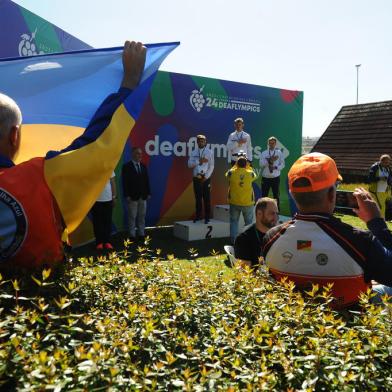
{"points": [[44, 198]]}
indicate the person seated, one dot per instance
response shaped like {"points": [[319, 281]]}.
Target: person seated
{"points": [[248, 244], [44, 197], [317, 248]]}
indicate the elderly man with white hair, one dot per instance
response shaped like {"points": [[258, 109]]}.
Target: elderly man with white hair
{"points": [[41, 197]]}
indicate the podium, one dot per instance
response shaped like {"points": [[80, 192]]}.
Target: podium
{"points": [[189, 231], [218, 227]]}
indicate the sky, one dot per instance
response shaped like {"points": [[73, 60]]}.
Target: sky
{"points": [[307, 45]]}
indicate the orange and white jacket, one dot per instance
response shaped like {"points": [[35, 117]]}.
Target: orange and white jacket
{"points": [[320, 249]]}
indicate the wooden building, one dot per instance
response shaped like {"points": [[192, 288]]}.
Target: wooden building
{"points": [[356, 138]]}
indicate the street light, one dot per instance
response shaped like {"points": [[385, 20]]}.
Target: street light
{"points": [[357, 66]]}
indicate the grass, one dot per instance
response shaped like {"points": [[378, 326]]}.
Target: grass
{"points": [[351, 187], [353, 220], [356, 222]]}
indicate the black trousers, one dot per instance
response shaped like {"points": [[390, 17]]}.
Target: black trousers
{"points": [[270, 183], [202, 195], [102, 221]]}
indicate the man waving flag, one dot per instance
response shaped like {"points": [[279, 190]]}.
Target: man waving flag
{"points": [[43, 197]]}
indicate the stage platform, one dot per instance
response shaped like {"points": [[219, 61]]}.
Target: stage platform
{"points": [[189, 231], [218, 227]]}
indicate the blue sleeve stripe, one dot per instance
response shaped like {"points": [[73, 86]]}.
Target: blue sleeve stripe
{"points": [[134, 102]]}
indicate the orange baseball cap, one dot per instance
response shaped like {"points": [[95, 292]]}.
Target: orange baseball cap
{"points": [[319, 169]]}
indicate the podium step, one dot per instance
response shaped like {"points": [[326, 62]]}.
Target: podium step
{"points": [[218, 227], [189, 231], [222, 213]]}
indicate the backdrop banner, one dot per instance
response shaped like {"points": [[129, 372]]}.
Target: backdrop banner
{"points": [[182, 106]]}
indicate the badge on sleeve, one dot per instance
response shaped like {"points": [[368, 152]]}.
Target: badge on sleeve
{"points": [[13, 226]]}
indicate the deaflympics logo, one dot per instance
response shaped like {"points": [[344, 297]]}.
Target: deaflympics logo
{"points": [[197, 99], [27, 46], [13, 227]]}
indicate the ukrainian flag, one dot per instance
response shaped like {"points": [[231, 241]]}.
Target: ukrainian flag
{"points": [[59, 95]]}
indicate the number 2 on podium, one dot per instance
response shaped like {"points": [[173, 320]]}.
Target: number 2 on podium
{"points": [[208, 235]]}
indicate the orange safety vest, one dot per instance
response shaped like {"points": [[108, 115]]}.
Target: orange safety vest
{"points": [[27, 211]]}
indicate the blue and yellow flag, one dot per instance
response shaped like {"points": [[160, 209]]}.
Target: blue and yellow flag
{"points": [[60, 95], [67, 88]]}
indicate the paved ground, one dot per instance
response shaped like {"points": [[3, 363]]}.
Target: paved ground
{"points": [[161, 238]]}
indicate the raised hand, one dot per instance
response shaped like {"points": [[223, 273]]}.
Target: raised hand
{"points": [[367, 208], [134, 57]]}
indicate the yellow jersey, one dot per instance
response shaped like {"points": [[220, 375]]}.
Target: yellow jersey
{"points": [[240, 185]]}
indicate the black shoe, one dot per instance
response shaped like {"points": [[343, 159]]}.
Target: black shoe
{"points": [[206, 221], [196, 219]]}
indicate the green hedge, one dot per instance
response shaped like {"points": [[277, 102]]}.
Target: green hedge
{"points": [[155, 325]]}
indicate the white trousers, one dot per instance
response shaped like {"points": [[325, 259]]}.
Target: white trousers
{"points": [[136, 216]]}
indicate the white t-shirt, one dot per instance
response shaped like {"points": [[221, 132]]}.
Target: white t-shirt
{"points": [[106, 194]]}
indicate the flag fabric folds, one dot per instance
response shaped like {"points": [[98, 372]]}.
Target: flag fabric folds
{"points": [[67, 90]]}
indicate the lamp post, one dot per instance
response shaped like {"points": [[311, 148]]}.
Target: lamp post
{"points": [[357, 66]]}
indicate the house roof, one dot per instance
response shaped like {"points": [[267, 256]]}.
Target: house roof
{"points": [[357, 136]]}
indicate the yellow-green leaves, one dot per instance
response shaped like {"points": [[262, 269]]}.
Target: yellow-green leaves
{"points": [[193, 325]]}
